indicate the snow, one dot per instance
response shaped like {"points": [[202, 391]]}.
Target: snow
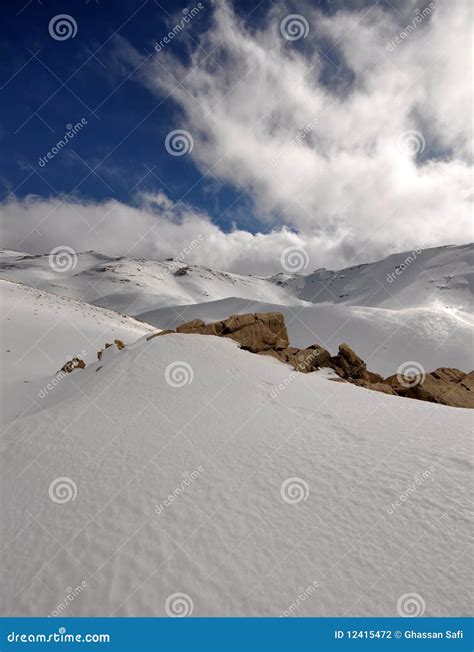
{"points": [[125, 439], [40, 331], [89, 459], [440, 276], [132, 286]]}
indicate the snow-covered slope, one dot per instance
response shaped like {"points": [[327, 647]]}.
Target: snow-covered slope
{"points": [[39, 331], [440, 277], [131, 286], [443, 276], [433, 337], [289, 493]]}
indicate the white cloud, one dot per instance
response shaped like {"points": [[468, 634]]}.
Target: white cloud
{"points": [[318, 150], [154, 228], [350, 176]]}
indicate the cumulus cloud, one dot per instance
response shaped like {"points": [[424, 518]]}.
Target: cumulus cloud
{"points": [[381, 163], [354, 141], [154, 228]]}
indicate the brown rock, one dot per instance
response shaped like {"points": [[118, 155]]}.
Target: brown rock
{"points": [[216, 328], [193, 326], [444, 386], [259, 332], [71, 365], [310, 359], [374, 378], [348, 364], [119, 344]]}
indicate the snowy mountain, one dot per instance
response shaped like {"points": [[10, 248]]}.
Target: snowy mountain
{"points": [[132, 286], [440, 277], [183, 472]]}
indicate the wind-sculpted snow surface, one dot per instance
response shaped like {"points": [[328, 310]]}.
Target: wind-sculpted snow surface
{"points": [[242, 489]]}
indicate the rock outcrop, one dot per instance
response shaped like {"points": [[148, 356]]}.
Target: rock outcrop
{"points": [[266, 334], [255, 333], [444, 385], [71, 365]]}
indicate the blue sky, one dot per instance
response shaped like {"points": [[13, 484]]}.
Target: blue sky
{"points": [[349, 138], [62, 82]]}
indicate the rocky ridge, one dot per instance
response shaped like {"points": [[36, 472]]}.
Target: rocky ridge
{"points": [[266, 334]]}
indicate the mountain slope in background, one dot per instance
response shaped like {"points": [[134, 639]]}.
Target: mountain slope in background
{"points": [[40, 331], [440, 277]]}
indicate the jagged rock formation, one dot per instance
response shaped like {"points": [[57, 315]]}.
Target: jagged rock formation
{"points": [[266, 334]]}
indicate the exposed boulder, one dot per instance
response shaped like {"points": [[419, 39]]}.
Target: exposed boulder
{"points": [[266, 334], [193, 326], [444, 385], [259, 332], [71, 365], [310, 359], [349, 365], [118, 343]]}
